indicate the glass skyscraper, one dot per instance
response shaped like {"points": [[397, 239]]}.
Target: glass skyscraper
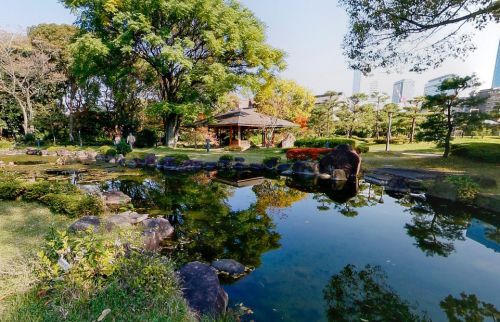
{"points": [[496, 73]]}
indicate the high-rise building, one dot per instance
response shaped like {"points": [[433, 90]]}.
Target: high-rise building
{"points": [[491, 98], [402, 91], [496, 73], [372, 89], [356, 82], [432, 87]]}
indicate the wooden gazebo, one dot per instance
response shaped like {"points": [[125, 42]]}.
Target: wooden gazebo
{"points": [[234, 124]]}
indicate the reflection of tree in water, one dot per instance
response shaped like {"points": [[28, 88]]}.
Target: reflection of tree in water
{"points": [[469, 308], [368, 195], [274, 195], [435, 230], [363, 295], [205, 224]]}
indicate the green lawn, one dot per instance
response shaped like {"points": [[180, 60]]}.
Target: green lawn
{"points": [[22, 228]]}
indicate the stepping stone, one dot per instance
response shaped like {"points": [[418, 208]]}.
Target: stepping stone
{"points": [[229, 266], [125, 219], [116, 199]]}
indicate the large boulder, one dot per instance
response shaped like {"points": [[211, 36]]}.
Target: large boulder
{"points": [[229, 266], [150, 160], [288, 141], [125, 219], [271, 163], [305, 168], [155, 231], [63, 152], [85, 156], [343, 157], [85, 223], [31, 151], [202, 289], [115, 199]]}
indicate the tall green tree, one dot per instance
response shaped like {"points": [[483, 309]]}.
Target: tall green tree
{"points": [[421, 34], [413, 113], [440, 125], [193, 50], [322, 119], [379, 99], [356, 116]]}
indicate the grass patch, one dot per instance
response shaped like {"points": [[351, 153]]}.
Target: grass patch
{"points": [[486, 152], [22, 228]]}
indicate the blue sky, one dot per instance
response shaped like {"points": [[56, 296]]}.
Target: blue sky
{"points": [[309, 31]]}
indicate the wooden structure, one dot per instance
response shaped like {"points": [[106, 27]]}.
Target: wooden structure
{"points": [[234, 124]]}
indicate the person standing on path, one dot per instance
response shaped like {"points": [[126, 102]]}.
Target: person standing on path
{"points": [[207, 143], [131, 140]]}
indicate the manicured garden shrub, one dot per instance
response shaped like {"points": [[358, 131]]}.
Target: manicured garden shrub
{"points": [[178, 158], [10, 188], [35, 191], [467, 189], [393, 140], [486, 152], [107, 150], [146, 138], [226, 157], [73, 205], [324, 142], [362, 148], [307, 153], [123, 148]]}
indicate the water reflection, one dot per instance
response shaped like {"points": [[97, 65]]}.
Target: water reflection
{"points": [[364, 295]]}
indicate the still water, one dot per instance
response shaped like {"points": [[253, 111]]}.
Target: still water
{"points": [[331, 253]]}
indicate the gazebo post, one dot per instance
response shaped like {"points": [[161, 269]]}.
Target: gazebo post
{"points": [[239, 135], [230, 136], [264, 137]]}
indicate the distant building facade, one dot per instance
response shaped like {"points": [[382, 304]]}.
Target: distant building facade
{"points": [[496, 73], [492, 96], [432, 87], [356, 82], [402, 91]]}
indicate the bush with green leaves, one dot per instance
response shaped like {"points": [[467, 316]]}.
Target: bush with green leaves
{"points": [[107, 150], [486, 152], [146, 138], [73, 205], [362, 148], [81, 275], [6, 144], [467, 188], [226, 157], [123, 148], [35, 191], [324, 142], [10, 188], [178, 158]]}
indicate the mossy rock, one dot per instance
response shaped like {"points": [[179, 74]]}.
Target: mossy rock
{"points": [[443, 190], [489, 202]]}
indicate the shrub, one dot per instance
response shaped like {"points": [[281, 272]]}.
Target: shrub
{"points": [[178, 158], [123, 148], [307, 153], [362, 148], [107, 150], [486, 152], [467, 189], [393, 140], [35, 191], [10, 188], [5, 144], [323, 142], [226, 157], [73, 205], [146, 138], [234, 148]]}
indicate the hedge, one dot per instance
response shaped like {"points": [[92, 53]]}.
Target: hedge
{"points": [[307, 153], [75, 205], [10, 189], [486, 152], [35, 191], [322, 142]]}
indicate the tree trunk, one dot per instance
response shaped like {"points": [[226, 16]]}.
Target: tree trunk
{"points": [[171, 125], [412, 133], [449, 130]]}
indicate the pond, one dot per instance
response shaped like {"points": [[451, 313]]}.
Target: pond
{"points": [[326, 252]]}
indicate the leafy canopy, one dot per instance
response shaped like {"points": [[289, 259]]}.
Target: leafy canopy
{"points": [[421, 34]]}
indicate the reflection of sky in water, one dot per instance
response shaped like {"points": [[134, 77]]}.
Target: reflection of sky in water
{"points": [[484, 233], [241, 199], [318, 244]]}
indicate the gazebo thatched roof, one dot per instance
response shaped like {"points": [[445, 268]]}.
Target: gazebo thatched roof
{"points": [[247, 117]]}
